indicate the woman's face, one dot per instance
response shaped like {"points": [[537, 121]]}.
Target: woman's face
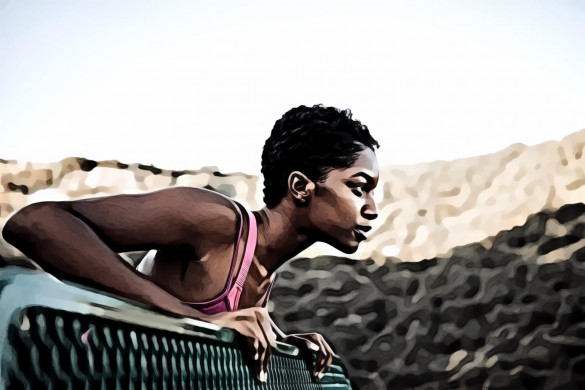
{"points": [[343, 206]]}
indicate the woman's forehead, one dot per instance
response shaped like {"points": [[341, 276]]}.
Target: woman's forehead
{"points": [[365, 166], [367, 160]]}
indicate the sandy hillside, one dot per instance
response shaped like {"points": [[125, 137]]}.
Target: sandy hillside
{"points": [[425, 209]]}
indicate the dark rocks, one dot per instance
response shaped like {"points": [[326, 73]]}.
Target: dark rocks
{"points": [[494, 317], [556, 243], [19, 188], [150, 168], [86, 165], [570, 212]]}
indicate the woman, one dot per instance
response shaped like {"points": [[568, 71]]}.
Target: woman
{"points": [[216, 261]]}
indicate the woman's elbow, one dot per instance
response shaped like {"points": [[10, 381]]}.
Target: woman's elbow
{"points": [[20, 227]]}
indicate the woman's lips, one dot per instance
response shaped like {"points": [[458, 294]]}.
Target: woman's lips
{"points": [[359, 236]]}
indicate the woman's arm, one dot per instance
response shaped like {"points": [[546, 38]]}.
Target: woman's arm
{"points": [[78, 240]]}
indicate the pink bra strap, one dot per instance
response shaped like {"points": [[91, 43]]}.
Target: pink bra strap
{"points": [[250, 248], [235, 258]]}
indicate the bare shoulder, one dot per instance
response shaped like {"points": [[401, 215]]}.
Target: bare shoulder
{"points": [[174, 216], [202, 211], [207, 220]]}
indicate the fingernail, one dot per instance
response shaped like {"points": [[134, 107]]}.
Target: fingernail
{"points": [[256, 356], [314, 347], [85, 336], [320, 375], [263, 376]]}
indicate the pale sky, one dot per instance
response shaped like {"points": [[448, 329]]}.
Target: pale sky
{"points": [[185, 84]]}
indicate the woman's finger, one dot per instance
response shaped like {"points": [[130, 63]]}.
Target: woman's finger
{"points": [[321, 356], [265, 324], [327, 352], [264, 355], [265, 337], [253, 334], [256, 351], [330, 355], [255, 326], [324, 356], [312, 342]]}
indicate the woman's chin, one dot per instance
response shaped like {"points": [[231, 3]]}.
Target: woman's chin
{"points": [[348, 248]]}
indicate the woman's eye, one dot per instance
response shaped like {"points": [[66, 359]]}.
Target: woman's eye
{"points": [[357, 188]]}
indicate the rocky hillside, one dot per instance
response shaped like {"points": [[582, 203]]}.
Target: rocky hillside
{"points": [[23, 183], [425, 209], [429, 208], [506, 314], [507, 311]]}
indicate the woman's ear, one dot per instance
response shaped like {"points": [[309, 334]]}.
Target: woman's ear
{"points": [[300, 187]]}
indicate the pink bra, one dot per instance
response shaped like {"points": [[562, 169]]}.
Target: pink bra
{"points": [[229, 299]]}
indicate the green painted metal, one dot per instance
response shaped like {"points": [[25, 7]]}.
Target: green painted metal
{"points": [[129, 346]]}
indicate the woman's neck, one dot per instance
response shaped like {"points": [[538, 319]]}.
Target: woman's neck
{"points": [[281, 235]]}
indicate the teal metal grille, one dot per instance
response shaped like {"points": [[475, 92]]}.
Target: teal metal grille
{"points": [[45, 347]]}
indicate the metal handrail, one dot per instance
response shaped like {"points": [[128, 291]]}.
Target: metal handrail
{"points": [[23, 291]]}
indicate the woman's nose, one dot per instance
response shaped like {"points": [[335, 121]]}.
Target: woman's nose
{"points": [[370, 210]]}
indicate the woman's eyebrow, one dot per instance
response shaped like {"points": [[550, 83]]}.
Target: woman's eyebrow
{"points": [[368, 178]]}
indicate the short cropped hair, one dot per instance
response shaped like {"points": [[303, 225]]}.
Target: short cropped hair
{"points": [[313, 140]]}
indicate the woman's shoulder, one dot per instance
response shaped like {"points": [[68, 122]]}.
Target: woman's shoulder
{"points": [[209, 214]]}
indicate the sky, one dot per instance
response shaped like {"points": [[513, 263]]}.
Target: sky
{"points": [[186, 84]]}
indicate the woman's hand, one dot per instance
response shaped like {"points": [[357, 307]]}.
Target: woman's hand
{"points": [[315, 343], [254, 324]]}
